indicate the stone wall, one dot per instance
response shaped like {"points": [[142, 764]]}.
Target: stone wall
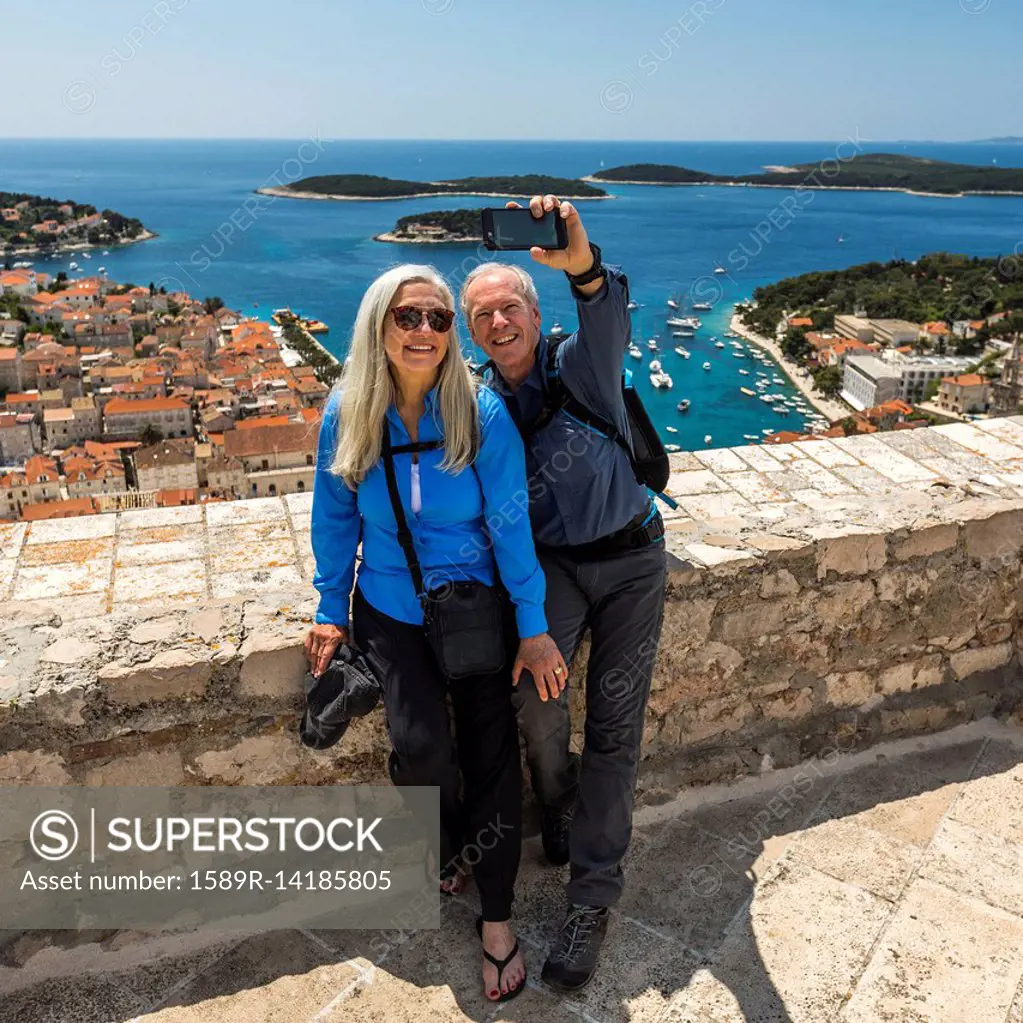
{"points": [[823, 594]]}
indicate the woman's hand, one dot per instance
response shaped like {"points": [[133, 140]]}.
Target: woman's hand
{"points": [[540, 656], [320, 643]]}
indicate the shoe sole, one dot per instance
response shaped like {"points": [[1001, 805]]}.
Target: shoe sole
{"points": [[566, 988]]}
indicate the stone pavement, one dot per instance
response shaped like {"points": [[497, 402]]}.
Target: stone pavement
{"points": [[858, 888]]}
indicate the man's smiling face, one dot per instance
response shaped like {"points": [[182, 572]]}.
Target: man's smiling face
{"points": [[503, 322]]}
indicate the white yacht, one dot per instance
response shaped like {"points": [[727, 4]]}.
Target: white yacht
{"points": [[652, 344], [719, 344], [750, 436], [744, 372], [683, 405], [661, 380], [655, 366], [677, 321], [684, 352], [672, 448], [632, 305], [708, 439], [635, 352], [719, 269], [556, 329], [671, 429], [706, 365], [672, 304], [702, 307]]}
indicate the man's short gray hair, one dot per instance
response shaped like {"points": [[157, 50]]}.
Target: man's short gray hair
{"points": [[526, 285]]}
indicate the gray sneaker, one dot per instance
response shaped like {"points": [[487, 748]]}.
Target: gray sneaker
{"points": [[573, 959]]}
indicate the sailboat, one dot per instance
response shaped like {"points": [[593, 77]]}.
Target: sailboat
{"points": [[719, 269]]}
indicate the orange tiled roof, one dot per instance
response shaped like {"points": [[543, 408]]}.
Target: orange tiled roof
{"points": [[60, 509], [119, 406]]}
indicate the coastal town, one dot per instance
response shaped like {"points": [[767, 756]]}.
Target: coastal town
{"points": [[30, 224], [116, 397], [883, 382]]}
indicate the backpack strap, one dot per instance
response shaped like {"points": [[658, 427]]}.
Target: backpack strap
{"points": [[560, 397]]}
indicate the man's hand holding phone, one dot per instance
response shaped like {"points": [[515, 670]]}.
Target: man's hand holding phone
{"points": [[576, 258]]}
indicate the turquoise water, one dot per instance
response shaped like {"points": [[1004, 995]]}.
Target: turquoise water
{"points": [[318, 257]]}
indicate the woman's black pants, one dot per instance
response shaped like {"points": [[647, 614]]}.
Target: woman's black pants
{"points": [[481, 819]]}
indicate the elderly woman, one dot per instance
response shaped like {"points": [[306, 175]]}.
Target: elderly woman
{"points": [[411, 448]]}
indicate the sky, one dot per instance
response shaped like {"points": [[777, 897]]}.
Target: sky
{"points": [[532, 69]]}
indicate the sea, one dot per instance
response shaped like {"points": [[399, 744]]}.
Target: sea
{"points": [[215, 236]]}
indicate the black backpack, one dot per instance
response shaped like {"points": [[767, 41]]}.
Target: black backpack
{"points": [[646, 453]]}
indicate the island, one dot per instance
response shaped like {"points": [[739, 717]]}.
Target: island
{"points": [[371, 187], [866, 171], [33, 223], [438, 227]]}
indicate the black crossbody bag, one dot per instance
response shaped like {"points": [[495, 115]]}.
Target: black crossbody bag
{"points": [[463, 620]]}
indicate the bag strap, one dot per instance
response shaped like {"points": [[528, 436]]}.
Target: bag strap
{"points": [[404, 533], [565, 399]]}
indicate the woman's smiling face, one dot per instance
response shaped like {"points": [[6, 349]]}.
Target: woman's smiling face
{"points": [[420, 349]]}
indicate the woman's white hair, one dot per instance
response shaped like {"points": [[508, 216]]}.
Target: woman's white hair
{"points": [[367, 389], [526, 285]]}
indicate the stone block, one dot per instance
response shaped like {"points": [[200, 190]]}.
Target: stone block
{"points": [[841, 604], [854, 554], [997, 538], [789, 705], [924, 541], [272, 665], [778, 584], [172, 674], [982, 658], [69, 650], [848, 688], [259, 760], [33, 767], [152, 767], [758, 618], [909, 675]]}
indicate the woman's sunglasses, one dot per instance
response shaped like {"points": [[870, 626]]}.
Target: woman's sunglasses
{"points": [[408, 317]]}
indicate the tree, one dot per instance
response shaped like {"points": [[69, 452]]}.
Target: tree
{"points": [[828, 380], [151, 435], [794, 344], [211, 305]]}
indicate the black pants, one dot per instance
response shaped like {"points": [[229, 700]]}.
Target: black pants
{"points": [[621, 600], [481, 820]]}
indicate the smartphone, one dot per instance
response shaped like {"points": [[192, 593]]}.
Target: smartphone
{"points": [[519, 229]]}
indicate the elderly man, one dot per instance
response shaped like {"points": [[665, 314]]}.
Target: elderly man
{"points": [[600, 541]]}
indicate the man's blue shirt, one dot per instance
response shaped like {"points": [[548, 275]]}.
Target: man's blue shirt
{"points": [[470, 523], [581, 483]]}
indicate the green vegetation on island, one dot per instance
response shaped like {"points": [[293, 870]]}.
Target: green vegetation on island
{"points": [[939, 287], [437, 227], [866, 170], [29, 222], [371, 186]]}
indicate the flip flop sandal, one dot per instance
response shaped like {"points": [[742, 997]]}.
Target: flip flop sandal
{"points": [[502, 965]]}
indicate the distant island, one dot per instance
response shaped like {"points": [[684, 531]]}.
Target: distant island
{"points": [[1010, 140], [363, 187], [882, 171], [438, 227], [33, 223]]}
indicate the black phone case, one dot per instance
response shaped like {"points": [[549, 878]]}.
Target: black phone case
{"points": [[487, 216]]}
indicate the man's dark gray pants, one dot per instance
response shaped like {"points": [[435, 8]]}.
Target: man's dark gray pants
{"points": [[621, 599]]}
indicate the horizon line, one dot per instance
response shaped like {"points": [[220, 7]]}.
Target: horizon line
{"points": [[629, 141]]}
